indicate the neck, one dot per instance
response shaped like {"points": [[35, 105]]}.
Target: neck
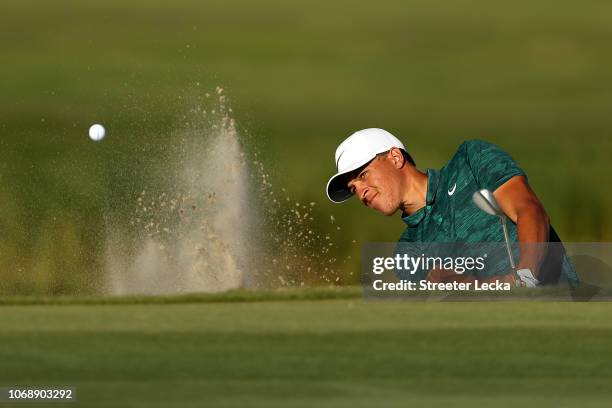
{"points": [[415, 197]]}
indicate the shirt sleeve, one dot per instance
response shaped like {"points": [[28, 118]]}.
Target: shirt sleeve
{"points": [[490, 164]]}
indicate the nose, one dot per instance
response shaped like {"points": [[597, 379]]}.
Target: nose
{"points": [[360, 190]]}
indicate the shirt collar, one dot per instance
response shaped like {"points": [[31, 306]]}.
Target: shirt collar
{"points": [[412, 220]]}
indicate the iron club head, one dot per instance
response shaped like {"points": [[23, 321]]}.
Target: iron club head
{"points": [[485, 200]]}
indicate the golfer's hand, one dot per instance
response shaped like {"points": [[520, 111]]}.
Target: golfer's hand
{"points": [[513, 279], [510, 278]]}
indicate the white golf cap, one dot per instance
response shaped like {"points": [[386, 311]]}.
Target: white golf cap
{"points": [[358, 149]]}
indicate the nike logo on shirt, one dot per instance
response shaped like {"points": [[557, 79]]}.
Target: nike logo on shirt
{"points": [[451, 192]]}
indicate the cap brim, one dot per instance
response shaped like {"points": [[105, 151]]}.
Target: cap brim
{"points": [[337, 190]]}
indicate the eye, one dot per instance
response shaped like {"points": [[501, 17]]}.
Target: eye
{"points": [[363, 174]]}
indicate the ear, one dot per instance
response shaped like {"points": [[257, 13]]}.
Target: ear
{"points": [[397, 158]]}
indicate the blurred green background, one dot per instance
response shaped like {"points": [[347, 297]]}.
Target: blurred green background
{"points": [[534, 77]]}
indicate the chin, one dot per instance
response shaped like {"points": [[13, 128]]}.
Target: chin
{"points": [[387, 211]]}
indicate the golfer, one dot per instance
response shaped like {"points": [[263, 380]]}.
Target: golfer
{"points": [[375, 167]]}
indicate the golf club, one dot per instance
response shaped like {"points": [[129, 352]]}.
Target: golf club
{"points": [[485, 200]]}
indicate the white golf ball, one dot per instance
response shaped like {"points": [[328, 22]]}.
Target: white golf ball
{"points": [[97, 132]]}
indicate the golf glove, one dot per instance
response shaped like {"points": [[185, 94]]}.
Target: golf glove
{"points": [[527, 278]]}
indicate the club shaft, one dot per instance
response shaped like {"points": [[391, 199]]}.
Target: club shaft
{"points": [[502, 220]]}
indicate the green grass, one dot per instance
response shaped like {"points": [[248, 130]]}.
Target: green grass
{"points": [[236, 295], [532, 77], [581, 294], [335, 352]]}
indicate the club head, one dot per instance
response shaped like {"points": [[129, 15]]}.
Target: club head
{"points": [[486, 202]]}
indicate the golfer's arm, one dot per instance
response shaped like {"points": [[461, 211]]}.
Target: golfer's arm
{"points": [[523, 207]]}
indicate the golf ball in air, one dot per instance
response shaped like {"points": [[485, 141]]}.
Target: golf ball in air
{"points": [[97, 132]]}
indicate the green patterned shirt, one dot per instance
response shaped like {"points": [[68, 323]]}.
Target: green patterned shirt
{"points": [[450, 216]]}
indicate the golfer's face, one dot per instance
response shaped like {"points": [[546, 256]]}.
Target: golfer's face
{"points": [[374, 186]]}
